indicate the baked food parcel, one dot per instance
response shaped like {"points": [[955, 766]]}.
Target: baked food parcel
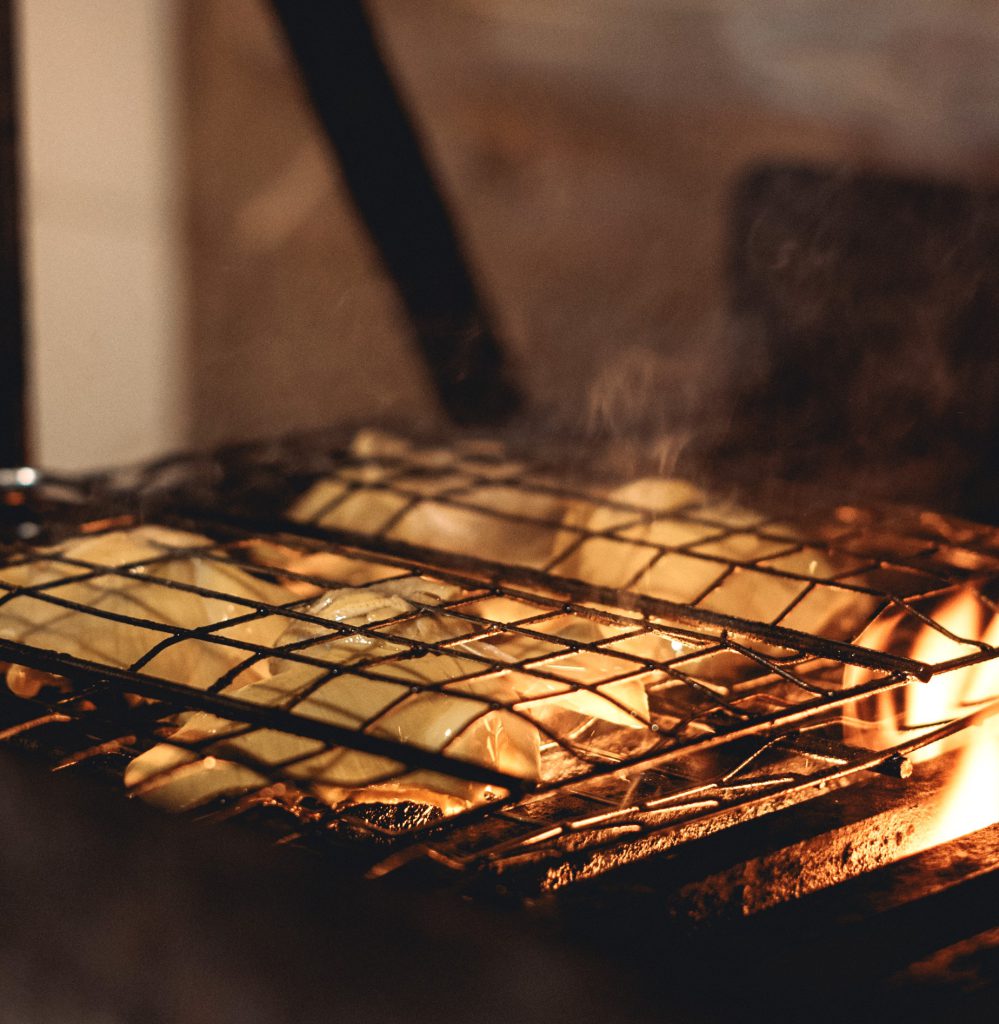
{"points": [[435, 719], [455, 709], [155, 576], [391, 487], [470, 699], [442, 702], [663, 537]]}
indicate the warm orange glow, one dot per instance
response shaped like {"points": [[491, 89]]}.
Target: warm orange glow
{"points": [[944, 698], [984, 682], [891, 718], [971, 800]]}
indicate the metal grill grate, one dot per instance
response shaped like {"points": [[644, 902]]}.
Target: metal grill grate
{"points": [[696, 560], [656, 719]]}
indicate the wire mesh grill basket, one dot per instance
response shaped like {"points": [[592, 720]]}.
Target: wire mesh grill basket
{"points": [[403, 652]]}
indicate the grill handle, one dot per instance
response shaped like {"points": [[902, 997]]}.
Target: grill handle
{"points": [[385, 170]]}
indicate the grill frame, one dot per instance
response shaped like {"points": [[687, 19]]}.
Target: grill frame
{"points": [[622, 822]]}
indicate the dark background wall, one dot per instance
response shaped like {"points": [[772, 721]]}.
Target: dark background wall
{"points": [[589, 150], [197, 274]]}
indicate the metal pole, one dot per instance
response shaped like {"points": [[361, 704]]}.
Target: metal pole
{"points": [[392, 187]]}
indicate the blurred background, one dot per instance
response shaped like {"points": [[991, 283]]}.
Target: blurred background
{"points": [[197, 275]]}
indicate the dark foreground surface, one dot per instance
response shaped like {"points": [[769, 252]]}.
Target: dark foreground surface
{"points": [[113, 913]]}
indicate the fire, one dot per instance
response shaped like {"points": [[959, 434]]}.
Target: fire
{"points": [[971, 800], [891, 718], [931, 704]]}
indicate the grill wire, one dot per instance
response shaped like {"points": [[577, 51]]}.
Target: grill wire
{"points": [[745, 716]]}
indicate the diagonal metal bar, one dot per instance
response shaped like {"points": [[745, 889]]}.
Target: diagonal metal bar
{"points": [[386, 171], [267, 717], [12, 358], [498, 573]]}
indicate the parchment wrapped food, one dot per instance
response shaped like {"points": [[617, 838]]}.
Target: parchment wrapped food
{"points": [[442, 702], [411, 494], [460, 701], [664, 537], [681, 545], [476, 698], [111, 618]]}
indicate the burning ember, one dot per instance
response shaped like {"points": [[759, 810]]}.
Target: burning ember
{"points": [[956, 627]]}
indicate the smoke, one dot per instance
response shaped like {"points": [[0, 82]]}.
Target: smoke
{"points": [[918, 79], [876, 300], [649, 409], [855, 355]]}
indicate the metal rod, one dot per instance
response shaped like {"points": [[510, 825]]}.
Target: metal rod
{"points": [[412, 757], [12, 359], [896, 765], [502, 574], [386, 172]]}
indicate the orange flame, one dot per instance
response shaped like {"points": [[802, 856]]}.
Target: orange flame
{"points": [[945, 698], [893, 717], [971, 800]]}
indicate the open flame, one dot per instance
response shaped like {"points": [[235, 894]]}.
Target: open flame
{"points": [[972, 798], [971, 801]]}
